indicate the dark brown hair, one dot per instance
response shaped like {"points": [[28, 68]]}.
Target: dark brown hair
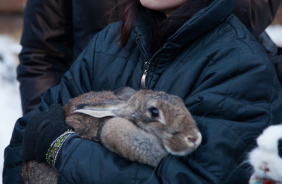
{"points": [[163, 27]]}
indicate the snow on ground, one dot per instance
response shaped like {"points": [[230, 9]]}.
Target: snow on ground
{"points": [[10, 109]]}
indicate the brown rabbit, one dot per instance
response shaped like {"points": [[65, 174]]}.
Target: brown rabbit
{"points": [[156, 123]]}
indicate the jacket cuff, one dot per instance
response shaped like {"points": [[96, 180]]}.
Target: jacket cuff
{"points": [[69, 144]]}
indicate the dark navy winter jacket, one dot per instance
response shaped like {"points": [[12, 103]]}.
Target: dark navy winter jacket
{"points": [[212, 62]]}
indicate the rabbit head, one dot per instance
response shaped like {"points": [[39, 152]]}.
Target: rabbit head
{"points": [[158, 113], [266, 158]]}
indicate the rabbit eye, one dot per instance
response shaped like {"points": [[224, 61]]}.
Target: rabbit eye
{"points": [[280, 147], [154, 112]]}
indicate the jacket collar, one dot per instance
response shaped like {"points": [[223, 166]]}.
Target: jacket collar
{"points": [[202, 22]]}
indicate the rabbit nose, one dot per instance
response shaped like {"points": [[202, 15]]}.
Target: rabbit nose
{"points": [[264, 167], [195, 139]]}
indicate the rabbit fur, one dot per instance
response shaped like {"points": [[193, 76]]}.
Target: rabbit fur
{"points": [[266, 158], [123, 120]]}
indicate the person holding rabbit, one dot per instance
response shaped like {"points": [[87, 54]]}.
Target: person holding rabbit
{"points": [[194, 49]]}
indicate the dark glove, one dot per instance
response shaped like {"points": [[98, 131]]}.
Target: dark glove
{"points": [[42, 129]]}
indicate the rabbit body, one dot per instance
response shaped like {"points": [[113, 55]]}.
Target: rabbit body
{"points": [[266, 158], [142, 126]]}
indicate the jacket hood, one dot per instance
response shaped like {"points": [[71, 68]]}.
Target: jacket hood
{"points": [[202, 22]]}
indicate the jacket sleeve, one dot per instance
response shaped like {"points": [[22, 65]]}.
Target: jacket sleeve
{"points": [[46, 48], [256, 15]]}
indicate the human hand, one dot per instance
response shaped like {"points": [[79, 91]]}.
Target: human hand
{"points": [[42, 129]]}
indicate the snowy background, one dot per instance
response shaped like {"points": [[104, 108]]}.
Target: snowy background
{"points": [[10, 107]]}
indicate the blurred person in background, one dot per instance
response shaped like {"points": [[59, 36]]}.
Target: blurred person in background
{"points": [[55, 32]]}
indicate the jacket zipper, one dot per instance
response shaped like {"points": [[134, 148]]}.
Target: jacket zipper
{"points": [[143, 79], [146, 69], [147, 63]]}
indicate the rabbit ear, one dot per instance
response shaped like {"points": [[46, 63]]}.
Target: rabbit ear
{"points": [[100, 109], [124, 93]]}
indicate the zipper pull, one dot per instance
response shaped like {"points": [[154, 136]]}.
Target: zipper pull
{"points": [[143, 79]]}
